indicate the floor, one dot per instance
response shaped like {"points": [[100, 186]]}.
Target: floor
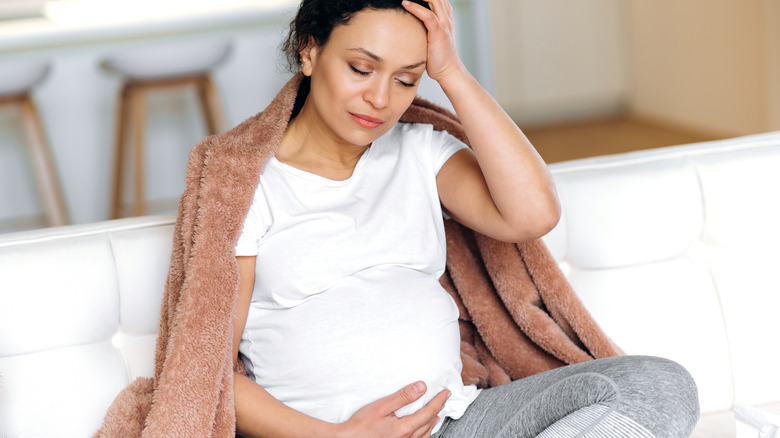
{"points": [[605, 136]]}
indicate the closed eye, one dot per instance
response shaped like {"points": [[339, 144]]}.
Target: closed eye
{"points": [[358, 71], [366, 73]]}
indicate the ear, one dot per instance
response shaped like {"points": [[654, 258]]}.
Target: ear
{"points": [[308, 57]]}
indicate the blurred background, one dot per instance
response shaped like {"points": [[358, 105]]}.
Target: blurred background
{"points": [[581, 78]]}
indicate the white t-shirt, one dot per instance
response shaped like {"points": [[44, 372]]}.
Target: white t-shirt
{"points": [[347, 307]]}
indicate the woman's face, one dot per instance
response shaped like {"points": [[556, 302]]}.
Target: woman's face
{"points": [[366, 76]]}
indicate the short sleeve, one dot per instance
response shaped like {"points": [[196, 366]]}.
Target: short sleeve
{"points": [[444, 146], [255, 225]]}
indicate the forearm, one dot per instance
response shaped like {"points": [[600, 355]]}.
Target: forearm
{"points": [[516, 176], [259, 414]]}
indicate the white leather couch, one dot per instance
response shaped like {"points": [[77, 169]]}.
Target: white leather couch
{"points": [[674, 251]]}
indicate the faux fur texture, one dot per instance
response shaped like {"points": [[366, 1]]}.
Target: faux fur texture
{"points": [[519, 316]]}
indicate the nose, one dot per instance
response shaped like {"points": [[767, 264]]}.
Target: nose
{"points": [[378, 93]]}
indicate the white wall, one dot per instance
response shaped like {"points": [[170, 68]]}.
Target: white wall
{"points": [[559, 59], [707, 66], [704, 64]]}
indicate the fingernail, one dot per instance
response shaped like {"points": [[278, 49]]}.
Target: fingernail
{"points": [[419, 387]]}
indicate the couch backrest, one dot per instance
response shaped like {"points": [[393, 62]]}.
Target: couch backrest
{"points": [[675, 253], [79, 308]]}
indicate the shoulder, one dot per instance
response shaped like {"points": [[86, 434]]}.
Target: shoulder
{"points": [[408, 128], [422, 136], [425, 131], [410, 133]]}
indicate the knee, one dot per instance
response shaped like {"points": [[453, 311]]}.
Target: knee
{"points": [[669, 374], [672, 392], [687, 391]]}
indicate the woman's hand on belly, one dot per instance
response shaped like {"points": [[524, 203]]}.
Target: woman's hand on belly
{"points": [[378, 419]]}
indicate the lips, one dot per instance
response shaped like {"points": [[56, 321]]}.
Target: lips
{"points": [[366, 121]]}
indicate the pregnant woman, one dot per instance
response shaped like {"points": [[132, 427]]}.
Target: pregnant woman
{"points": [[342, 324]]}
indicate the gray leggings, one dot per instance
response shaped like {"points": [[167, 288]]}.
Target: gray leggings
{"points": [[628, 396]]}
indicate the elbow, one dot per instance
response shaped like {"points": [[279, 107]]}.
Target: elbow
{"points": [[549, 220], [552, 215], [546, 214], [543, 219]]}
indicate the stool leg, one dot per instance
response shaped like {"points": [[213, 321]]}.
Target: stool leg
{"points": [[117, 186], [139, 121], [211, 106], [46, 178]]}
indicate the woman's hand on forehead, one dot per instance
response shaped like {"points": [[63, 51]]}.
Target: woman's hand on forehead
{"points": [[443, 55]]}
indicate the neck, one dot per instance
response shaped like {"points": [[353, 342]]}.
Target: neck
{"points": [[308, 138], [309, 145]]}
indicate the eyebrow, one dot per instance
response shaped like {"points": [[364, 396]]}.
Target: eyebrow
{"points": [[378, 58]]}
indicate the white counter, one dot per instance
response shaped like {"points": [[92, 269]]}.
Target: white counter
{"points": [[67, 23]]}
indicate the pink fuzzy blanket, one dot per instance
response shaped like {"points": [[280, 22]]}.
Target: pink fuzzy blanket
{"points": [[519, 316]]}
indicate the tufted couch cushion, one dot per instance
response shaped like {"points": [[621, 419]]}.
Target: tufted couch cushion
{"points": [[675, 252], [79, 308]]}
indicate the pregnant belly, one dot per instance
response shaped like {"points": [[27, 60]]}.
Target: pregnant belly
{"points": [[361, 340]]}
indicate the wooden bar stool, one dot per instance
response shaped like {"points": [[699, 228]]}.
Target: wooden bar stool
{"points": [[17, 79], [152, 69]]}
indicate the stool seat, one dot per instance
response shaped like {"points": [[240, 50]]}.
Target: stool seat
{"points": [[150, 69], [17, 76], [168, 60]]}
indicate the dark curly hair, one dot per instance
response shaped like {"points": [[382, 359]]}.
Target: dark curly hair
{"points": [[316, 19]]}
